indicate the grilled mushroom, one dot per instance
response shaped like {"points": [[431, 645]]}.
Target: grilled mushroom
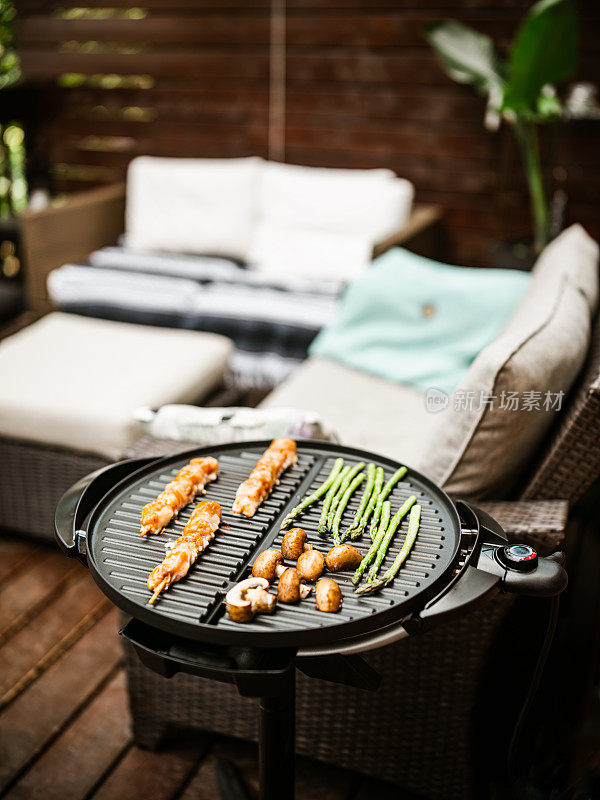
{"points": [[268, 565], [294, 543], [328, 595], [343, 556], [311, 564], [291, 587], [249, 597]]}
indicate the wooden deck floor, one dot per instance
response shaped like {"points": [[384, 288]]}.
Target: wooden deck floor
{"points": [[65, 732]]}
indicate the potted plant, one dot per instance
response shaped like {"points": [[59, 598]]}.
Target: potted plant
{"points": [[519, 91]]}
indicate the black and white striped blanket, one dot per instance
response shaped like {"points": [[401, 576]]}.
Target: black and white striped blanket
{"points": [[271, 321]]}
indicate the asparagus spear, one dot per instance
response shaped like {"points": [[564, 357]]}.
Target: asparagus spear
{"points": [[372, 502], [356, 481], [349, 477], [329, 499], [371, 472], [389, 535], [337, 466], [398, 475], [390, 574], [385, 518]]}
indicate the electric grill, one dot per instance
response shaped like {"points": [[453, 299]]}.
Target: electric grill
{"points": [[461, 558]]}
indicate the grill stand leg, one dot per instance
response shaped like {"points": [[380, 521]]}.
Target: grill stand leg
{"points": [[276, 748], [269, 675]]}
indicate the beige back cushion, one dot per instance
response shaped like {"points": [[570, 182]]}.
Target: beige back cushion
{"points": [[480, 449]]}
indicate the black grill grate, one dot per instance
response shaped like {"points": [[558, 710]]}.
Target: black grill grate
{"points": [[121, 560]]}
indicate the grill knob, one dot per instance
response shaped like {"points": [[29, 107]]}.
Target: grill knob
{"points": [[520, 557]]}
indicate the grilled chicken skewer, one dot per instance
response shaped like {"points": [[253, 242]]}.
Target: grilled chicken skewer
{"points": [[184, 487], [196, 535], [280, 455]]}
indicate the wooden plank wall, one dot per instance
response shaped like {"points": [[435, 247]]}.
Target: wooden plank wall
{"points": [[347, 83]]}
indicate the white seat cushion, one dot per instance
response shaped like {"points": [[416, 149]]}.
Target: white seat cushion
{"points": [[75, 382], [364, 410]]}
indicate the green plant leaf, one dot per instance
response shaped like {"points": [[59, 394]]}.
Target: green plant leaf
{"points": [[466, 55], [544, 52]]}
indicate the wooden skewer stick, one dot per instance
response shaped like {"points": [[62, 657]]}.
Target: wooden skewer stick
{"points": [[162, 585]]}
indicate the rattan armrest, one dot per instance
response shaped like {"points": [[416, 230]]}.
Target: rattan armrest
{"points": [[68, 230], [422, 233], [541, 523], [18, 323]]}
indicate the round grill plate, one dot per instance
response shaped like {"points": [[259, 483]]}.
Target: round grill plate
{"points": [[120, 559]]}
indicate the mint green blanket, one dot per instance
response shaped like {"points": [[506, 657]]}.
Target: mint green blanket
{"points": [[417, 322]]}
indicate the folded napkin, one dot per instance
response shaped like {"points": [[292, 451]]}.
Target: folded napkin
{"points": [[232, 424]]}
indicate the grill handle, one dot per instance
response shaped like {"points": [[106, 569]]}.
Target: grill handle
{"points": [[486, 564], [546, 578], [78, 501]]}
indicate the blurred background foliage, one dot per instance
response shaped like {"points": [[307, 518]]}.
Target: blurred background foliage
{"points": [[9, 62], [13, 183]]}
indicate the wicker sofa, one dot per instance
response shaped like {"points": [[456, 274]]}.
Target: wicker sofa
{"points": [[432, 682]]}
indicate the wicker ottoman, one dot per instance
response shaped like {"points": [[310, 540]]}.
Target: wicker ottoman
{"points": [[66, 405]]}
